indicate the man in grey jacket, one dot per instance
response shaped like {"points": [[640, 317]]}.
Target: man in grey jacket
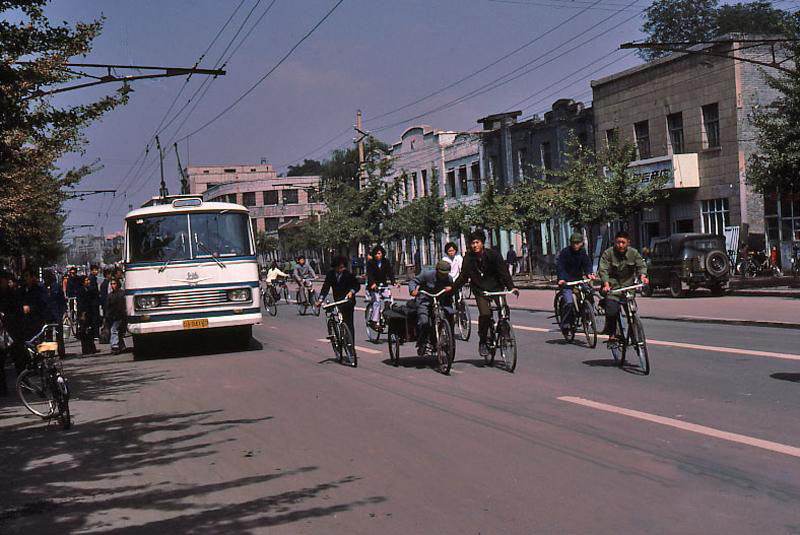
{"points": [[432, 281], [302, 271]]}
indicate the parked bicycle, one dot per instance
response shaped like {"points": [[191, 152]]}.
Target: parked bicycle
{"points": [[373, 333], [583, 314], [339, 334], [757, 264], [42, 386], [463, 321], [630, 332], [501, 333], [306, 298]]}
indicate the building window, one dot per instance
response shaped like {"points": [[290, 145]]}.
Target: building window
{"points": [[249, 198], [414, 192], [715, 215], [641, 132], [230, 170], [675, 127], [271, 224], [462, 179], [475, 171], [424, 175], [205, 171], [451, 183], [522, 157], [494, 172], [232, 198], [290, 196], [271, 197], [405, 186], [612, 136], [546, 155], [252, 170], [711, 125]]}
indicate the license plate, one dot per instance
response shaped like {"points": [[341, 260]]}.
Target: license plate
{"points": [[195, 324]]}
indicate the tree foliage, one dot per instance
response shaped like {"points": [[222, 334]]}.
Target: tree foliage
{"points": [[307, 168], [35, 133], [692, 21], [775, 165]]}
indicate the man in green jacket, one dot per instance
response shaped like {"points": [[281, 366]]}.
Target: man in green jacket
{"points": [[619, 267]]}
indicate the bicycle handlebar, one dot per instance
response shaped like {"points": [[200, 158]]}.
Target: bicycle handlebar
{"points": [[575, 283], [627, 288], [497, 294], [46, 326], [326, 306], [437, 294]]}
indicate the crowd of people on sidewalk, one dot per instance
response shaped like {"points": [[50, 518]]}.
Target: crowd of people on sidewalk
{"points": [[27, 304]]}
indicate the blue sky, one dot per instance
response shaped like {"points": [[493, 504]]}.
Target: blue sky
{"points": [[376, 55]]}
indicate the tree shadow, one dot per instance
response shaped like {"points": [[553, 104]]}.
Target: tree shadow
{"points": [[791, 377]]}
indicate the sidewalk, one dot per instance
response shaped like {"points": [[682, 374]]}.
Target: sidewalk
{"points": [[731, 309]]}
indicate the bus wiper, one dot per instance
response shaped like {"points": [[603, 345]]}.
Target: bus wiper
{"points": [[173, 255], [211, 254]]}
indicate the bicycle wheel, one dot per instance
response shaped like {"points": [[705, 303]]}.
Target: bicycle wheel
{"points": [[463, 321], [335, 338], [557, 300], [394, 349], [588, 322], [62, 403], [372, 334], [491, 343], [507, 344], [269, 303], [445, 346], [36, 393], [312, 298], [285, 291], [348, 349], [638, 342], [301, 304], [618, 347]]}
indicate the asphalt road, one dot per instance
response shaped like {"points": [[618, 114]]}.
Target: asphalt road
{"points": [[282, 439]]}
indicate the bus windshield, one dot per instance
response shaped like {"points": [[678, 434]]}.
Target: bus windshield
{"points": [[167, 238]]}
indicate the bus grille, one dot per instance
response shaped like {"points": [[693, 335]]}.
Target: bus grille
{"points": [[194, 298]]}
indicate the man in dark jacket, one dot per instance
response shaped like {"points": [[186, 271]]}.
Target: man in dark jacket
{"points": [[379, 273], [116, 315], [572, 264], [511, 260], [486, 271], [432, 281], [344, 285], [31, 310], [56, 306], [88, 299]]}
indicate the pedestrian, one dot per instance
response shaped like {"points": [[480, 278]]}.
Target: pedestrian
{"points": [[119, 274], [104, 289], [93, 272], [116, 316], [511, 260], [7, 309], [56, 307], [417, 262], [774, 258], [31, 312], [87, 312]]}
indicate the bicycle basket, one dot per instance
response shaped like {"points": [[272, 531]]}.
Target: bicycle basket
{"points": [[44, 347]]}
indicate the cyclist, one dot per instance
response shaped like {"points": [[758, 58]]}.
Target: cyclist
{"points": [[379, 273], [486, 271], [432, 281], [273, 273], [302, 271], [344, 285], [454, 259], [619, 267], [572, 264]]}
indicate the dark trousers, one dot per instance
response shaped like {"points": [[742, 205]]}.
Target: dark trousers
{"points": [[346, 310], [60, 339], [484, 314], [3, 384], [612, 313]]}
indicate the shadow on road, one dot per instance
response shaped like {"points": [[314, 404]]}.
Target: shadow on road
{"points": [[602, 363], [791, 377], [179, 345]]}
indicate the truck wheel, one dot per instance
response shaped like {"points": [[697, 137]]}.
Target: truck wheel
{"points": [[675, 287], [717, 264], [717, 290], [647, 290], [141, 346]]}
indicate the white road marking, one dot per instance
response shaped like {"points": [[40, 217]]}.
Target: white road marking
{"points": [[686, 426], [359, 348], [526, 328]]}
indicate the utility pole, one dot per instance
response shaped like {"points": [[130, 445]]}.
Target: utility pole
{"points": [[162, 192], [359, 139]]}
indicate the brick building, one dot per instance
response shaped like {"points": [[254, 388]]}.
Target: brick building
{"points": [[689, 117]]}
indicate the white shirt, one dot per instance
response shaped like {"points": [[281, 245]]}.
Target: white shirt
{"points": [[455, 265], [274, 273]]}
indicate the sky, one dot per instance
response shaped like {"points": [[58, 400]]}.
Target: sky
{"points": [[379, 56]]}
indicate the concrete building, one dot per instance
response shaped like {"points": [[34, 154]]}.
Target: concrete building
{"points": [[513, 150], [273, 201], [86, 250], [689, 117], [426, 161], [203, 177]]}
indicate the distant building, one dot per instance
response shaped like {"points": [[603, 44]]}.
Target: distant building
{"points": [[272, 200], [689, 117], [86, 249]]}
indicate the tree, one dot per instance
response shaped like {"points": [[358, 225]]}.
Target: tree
{"points": [[307, 168], [457, 220], [532, 202], [678, 21], [775, 165], [758, 18], [493, 211], [34, 133]]}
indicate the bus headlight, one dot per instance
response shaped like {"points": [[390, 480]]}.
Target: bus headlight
{"points": [[144, 302], [241, 294]]}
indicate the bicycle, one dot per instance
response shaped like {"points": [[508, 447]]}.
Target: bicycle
{"points": [[442, 343], [384, 302], [282, 289], [70, 320], [629, 337], [463, 320], [583, 311], [339, 334], [269, 296], [501, 333], [306, 297], [41, 386]]}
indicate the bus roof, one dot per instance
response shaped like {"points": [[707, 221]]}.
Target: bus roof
{"points": [[169, 209]]}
